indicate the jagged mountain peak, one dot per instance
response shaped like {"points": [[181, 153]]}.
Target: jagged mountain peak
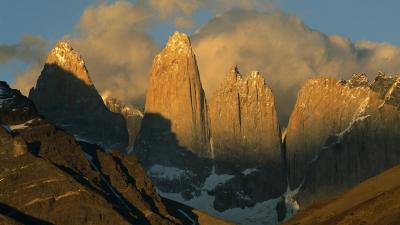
{"points": [[246, 137], [66, 96], [233, 75], [118, 106], [244, 85], [255, 74], [178, 43], [65, 57], [359, 80], [256, 77], [235, 70], [64, 45], [322, 80], [179, 38], [388, 88]]}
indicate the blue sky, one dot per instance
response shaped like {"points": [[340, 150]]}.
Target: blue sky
{"points": [[358, 20]]}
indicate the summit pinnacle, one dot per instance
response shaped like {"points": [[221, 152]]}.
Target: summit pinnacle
{"points": [[65, 57], [65, 94]]}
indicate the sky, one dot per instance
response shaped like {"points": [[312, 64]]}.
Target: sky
{"points": [[358, 20], [312, 36]]}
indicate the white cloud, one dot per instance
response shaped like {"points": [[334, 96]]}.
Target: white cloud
{"points": [[118, 53], [113, 40], [29, 49], [285, 51]]}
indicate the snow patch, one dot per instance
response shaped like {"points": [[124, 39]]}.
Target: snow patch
{"points": [[80, 139], [262, 213], [214, 180], [21, 126], [357, 116], [168, 173], [204, 201], [249, 171], [390, 91], [292, 206]]}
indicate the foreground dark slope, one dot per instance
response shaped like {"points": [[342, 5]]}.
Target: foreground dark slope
{"points": [[47, 177], [375, 201], [47, 174]]}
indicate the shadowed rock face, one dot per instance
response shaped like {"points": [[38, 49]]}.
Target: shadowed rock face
{"points": [[174, 132], [342, 133], [132, 115], [246, 137], [46, 174], [67, 97], [176, 94], [14, 107], [324, 107]]}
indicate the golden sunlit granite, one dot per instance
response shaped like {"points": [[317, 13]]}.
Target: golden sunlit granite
{"points": [[64, 56], [175, 93], [341, 133], [243, 120]]}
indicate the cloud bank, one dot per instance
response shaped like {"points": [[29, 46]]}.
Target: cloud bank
{"points": [[285, 51], [113, 39], [29, 49], [118, 53]]}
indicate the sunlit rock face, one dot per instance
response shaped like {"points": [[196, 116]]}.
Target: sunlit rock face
{"points": [[173, 143], [65, 94], [324, 107], [246, 140], [175, 94], [341, 133], [244, 124], [64, 56]]}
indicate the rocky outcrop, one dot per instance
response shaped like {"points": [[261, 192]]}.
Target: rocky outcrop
{"points": [[46, 174], [246, 141], [14, 107], [324, 107], [175, 94], [133, 116], [341, 133], [47, 194], [66, 96], [174, 137], [244, 125]]}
